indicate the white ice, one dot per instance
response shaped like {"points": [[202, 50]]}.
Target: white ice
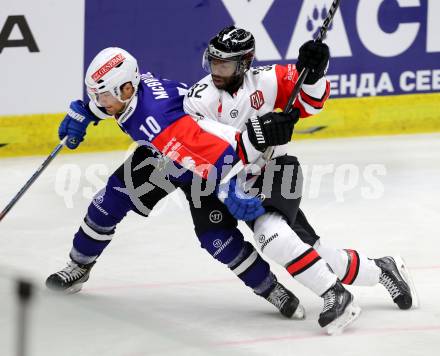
{"points": [[154, 291]]}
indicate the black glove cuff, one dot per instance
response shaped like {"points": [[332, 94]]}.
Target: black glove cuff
{"points": [[256, 134], [312, 76]]}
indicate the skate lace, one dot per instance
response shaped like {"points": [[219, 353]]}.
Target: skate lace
{"points": [[72, 272], [390, 285], [329, 300], [278, 297]]}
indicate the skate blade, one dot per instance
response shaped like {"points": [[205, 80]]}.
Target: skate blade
{"points": [[74, 289], [71, 290], [351, 313], [299, 314], [404, 272]]}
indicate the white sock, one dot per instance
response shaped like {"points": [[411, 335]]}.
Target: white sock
{"points": [[350, 266], [278, 241]]}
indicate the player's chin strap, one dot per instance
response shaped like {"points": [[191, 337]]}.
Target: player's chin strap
{"points": [[239, 166], [129, 108]]}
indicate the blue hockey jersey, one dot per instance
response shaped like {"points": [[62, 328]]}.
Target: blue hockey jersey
{"points": [[155, 117]]}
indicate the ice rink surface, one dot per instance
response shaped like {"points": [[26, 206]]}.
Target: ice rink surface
{"points": [[154, 291]]}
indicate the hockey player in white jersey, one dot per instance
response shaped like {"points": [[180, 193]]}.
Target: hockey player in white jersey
{"points": [[232, 93]]}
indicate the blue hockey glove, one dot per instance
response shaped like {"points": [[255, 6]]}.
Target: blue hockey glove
{"points": [[239, 205], [74, 125]]}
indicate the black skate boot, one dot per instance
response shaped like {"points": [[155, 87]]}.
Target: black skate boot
{"points": [[286, 302], [70, 279], [396, 279], [339, 309]]}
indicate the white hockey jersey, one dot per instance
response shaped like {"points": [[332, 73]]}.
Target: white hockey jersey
{"points": [[264, 89]]}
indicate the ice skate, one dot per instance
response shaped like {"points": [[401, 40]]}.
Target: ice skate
{"points": [[396, 279], [286, 302], [70, 279], [339, 309]]}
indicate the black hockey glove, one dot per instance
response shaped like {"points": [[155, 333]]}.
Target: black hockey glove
{"points": [[315, 56], [271, 129]]}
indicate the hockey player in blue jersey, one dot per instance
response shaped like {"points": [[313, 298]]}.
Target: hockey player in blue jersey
{"points": [[176, 154]]}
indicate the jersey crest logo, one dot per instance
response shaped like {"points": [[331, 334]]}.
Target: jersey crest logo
{"points": [[257, 99]]}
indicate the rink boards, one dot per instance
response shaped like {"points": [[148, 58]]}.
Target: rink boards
{"points": [[345, 117], [384, 69]]}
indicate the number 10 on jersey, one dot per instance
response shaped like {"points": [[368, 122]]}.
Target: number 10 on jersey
{"points": [[152, 129]]}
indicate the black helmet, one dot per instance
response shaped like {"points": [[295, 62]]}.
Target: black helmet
{"points": [[231, 44]]}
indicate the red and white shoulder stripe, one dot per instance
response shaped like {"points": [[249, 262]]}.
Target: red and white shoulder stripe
{"points": [[185, 142], [311, 98]]}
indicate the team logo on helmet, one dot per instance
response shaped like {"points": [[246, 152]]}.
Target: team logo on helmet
{"points": [[109, 65], [257, 99], [236, 35]]}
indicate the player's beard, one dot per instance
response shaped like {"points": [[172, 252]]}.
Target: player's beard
{"points": [[229, 84]]}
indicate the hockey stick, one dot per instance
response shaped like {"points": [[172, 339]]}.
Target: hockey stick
{"points": [[34, 177], [311, 130], [239, 166]]}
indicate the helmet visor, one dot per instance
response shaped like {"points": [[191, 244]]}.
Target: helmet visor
{"points": [[220, 67], [104, 99]]}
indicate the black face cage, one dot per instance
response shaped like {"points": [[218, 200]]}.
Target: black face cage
{"points": [[245, 63]]}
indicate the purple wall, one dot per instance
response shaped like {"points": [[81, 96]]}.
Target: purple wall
{"points": [[168, 37]]}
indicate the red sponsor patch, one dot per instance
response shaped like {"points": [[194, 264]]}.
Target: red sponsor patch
{"points": [[110, 64], [257, 99], [290, 72]]}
